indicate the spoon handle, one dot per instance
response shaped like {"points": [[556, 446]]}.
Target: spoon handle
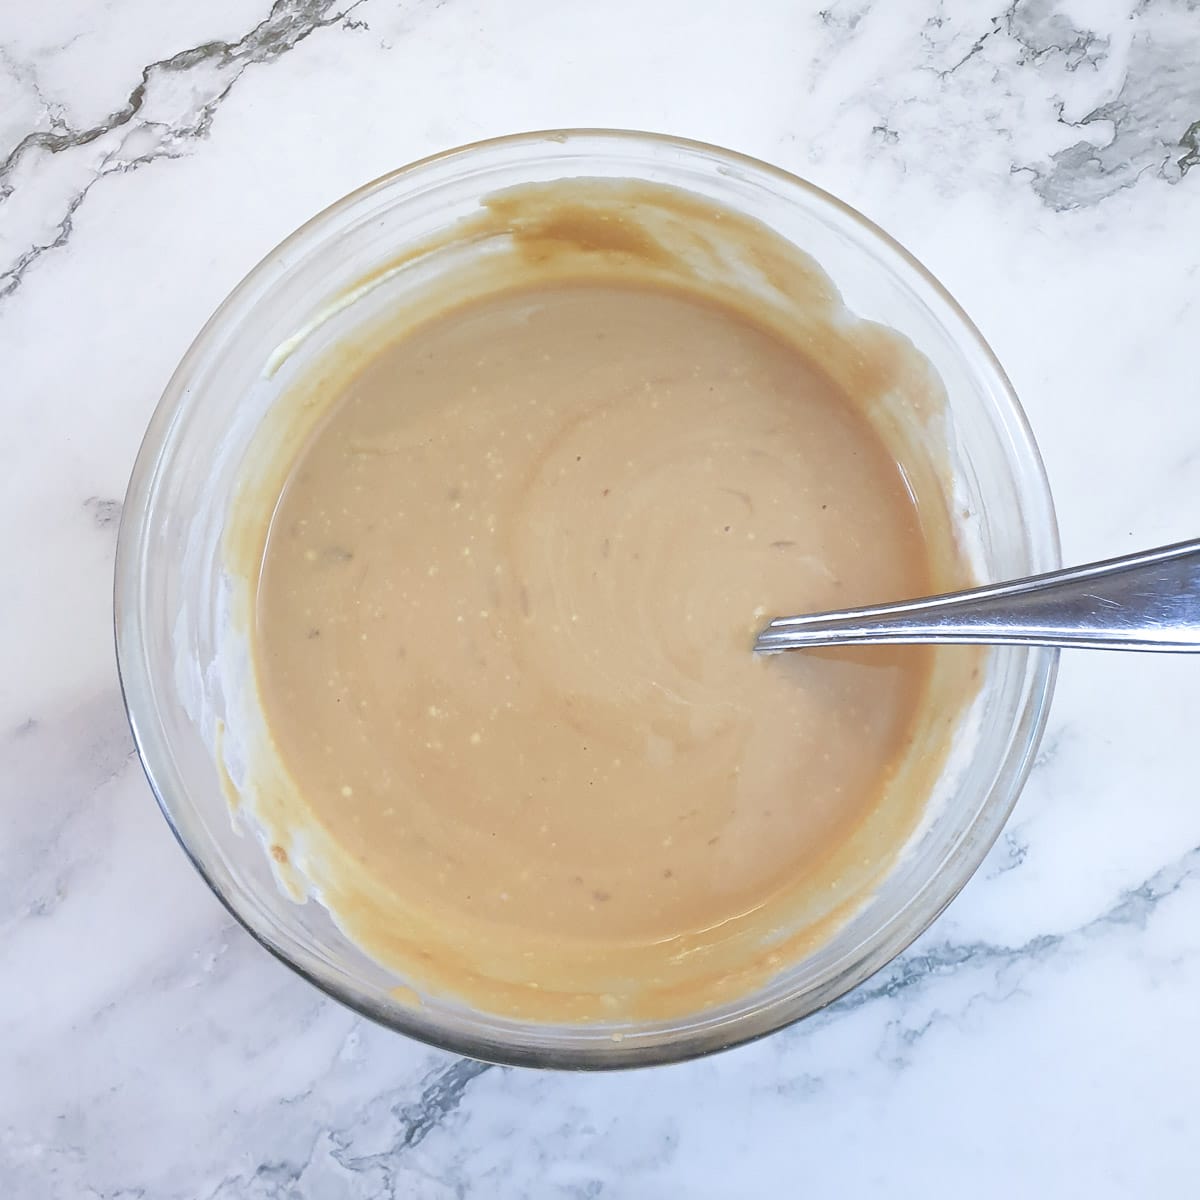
{"points": [[1146, 601]]}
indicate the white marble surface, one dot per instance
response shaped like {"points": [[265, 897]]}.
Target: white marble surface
{"points": [[1043, 1039]]}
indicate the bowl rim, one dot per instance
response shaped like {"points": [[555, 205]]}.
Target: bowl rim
{"points": [[154, 754]]}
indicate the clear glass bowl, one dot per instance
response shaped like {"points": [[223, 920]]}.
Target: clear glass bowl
{"points": [[168, 607]]}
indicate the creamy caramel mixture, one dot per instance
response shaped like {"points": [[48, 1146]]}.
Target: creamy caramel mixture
{"points": [[502, 636]]}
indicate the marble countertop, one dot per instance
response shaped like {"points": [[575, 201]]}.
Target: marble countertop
{"points": [[1042, 1039]]}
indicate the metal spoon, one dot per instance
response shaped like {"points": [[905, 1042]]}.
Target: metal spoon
{"points": [[1146, 601]]}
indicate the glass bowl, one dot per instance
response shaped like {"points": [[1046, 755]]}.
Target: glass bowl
{"points": [[168, 609]]}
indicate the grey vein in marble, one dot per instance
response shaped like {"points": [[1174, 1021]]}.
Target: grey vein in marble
{"points": [[158, 119], [441, 1096], [1146, 123], [1133, 907], [1153, 120], [106, 513], [330, 1157]]}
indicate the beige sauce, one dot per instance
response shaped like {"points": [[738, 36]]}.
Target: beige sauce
{"points": [[502, 636]]}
